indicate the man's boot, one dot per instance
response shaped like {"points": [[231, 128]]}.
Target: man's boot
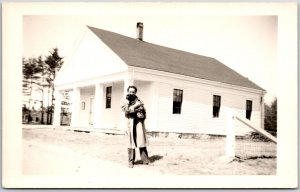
{"points": [[131, 157], [144, 155]]}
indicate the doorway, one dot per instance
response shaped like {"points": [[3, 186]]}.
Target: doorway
{"points": [[91, 119]]}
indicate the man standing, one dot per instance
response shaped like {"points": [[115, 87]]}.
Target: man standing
{"points": [[135, 130]]}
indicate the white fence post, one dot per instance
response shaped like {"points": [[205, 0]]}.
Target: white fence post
{"points": [[230, 135]]}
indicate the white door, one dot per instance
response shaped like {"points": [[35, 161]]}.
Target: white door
{"points": [[91, 110]]}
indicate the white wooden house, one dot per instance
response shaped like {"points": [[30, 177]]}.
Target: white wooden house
{"points": [[182, 92]]}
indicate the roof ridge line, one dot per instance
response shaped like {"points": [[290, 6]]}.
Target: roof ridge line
{"points": [[148, 42]]}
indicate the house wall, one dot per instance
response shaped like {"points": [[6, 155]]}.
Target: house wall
{"points": [[111, 117], [157, 96], [196, 113], [91, 58], [84, 113], [145, 93]]}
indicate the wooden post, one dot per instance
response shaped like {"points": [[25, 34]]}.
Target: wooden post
{"points": [[230, 136], [98, 105], [262, 122], [124, 121], [57, 108], [75, 107], [259, 130]]}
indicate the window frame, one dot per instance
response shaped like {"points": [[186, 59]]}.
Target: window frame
{"points": [[216, 106], [249, 107], [108, 95], [177, 101]]}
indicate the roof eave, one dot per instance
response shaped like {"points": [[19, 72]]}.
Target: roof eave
{"points": [[194, 79]]}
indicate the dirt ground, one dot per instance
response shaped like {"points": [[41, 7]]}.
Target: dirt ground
{"points": [[61, 151]]}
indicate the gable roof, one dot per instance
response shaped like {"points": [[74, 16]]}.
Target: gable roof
{"points": [[147, 55]]}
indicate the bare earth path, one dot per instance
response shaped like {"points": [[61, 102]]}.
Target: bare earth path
{"points": [[59, 151]]}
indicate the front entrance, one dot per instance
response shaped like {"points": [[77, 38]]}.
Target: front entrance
{"points": [[91, 111]]}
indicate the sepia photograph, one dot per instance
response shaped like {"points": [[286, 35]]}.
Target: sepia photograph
{"points": [[112, 95]]}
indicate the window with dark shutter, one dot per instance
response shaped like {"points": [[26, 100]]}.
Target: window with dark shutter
{"points": [[216, 105], [177, 101], [108, 97], [248, 109]]}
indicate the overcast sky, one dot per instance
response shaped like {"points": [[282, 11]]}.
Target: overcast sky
{"points": [[247, 44]]}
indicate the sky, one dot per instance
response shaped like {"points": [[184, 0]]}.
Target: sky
{"points": [[246, 44]]}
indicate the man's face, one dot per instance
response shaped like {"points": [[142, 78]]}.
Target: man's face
{"points": [[131, 91]]}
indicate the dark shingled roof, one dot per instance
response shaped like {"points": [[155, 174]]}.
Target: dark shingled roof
{"points": [[146, 55]]}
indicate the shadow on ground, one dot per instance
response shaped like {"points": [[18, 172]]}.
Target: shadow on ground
{"points": [[152, 159]]}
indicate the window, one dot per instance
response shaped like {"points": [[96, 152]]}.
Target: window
{"points": [[248, 109], [108, 97], [177, 101], [216, 105]]}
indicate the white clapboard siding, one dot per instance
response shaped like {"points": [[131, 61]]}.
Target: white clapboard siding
{"points": [[84, 113], [111, 116], [242, 128], [145, 94], [196, 112], [157, 96]]}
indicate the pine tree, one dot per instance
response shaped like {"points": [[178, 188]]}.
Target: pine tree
{"points": [[271, 117], [54, 63], [43, 70], [30, 77]]}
